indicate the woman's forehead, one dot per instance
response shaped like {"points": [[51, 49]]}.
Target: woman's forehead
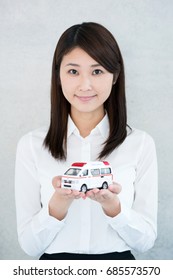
{"points": [[78, 57]]}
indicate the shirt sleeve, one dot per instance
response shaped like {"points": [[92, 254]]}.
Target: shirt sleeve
{"points": [[137, 226], [36, 228]]}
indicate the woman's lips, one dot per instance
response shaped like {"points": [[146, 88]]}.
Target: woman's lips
{"points": [[85, 98]]}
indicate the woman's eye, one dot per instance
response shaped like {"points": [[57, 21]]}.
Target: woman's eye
{"points": [[73, 71], [97, 72]]}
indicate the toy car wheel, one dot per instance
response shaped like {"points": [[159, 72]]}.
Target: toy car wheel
{"points": [[84, 188], [105, 185]]}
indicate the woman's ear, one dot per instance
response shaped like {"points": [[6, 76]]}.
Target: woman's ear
{"points": [[115, 77]]}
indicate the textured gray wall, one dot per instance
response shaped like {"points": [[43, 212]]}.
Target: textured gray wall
{"points": [[29, 31]]}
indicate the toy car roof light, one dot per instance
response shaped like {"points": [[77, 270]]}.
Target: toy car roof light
{"points": [[78, 164], [106, 162]]}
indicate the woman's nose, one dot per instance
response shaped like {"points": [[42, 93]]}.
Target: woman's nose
{"points": [[85, 83]]}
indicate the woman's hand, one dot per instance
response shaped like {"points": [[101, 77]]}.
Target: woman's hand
{"points": [[107, 198], [61, 199]]}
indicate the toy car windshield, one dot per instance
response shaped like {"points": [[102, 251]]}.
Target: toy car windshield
{"points": [[73, 171]]}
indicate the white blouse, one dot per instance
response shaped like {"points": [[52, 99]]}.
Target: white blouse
{"points": [[86, 229]]}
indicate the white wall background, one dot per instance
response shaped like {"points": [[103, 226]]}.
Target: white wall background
{"points": [[29, 31]]}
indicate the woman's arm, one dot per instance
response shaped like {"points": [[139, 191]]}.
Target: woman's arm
{"points": [[36, 227], [137, 226], [61, 199]]}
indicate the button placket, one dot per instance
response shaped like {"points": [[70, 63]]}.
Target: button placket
{"points": [[86, 151], [85, 222], [85, 214]]}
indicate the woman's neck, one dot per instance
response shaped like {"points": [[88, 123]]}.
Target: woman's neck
{"points": [[86, 122]]}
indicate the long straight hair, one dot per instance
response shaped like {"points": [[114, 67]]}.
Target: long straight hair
{"points": [[100, 44]]}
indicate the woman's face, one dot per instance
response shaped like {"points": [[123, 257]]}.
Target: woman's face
{"points": [[85, 83]]}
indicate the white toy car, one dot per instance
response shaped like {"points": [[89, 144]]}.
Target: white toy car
{"points": [[84, 176]]}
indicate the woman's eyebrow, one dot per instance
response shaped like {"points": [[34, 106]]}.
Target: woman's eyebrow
{"points": [[72, 64], [96, 65]]}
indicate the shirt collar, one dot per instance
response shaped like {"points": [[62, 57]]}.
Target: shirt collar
{"points": [[102, 127], [71, 127]]}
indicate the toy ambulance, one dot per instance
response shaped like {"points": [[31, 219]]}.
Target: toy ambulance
{"points": [[84, 176]]}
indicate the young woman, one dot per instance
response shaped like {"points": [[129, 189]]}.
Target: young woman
{"points": [[88, 123]]}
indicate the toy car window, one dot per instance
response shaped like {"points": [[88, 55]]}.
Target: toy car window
{"points": [[85, 172], [95, 172], [72, 171], [105, 170]]}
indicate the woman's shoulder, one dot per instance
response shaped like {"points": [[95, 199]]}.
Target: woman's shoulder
{"points": [[34, 137], [135, 132], [140, 137]]}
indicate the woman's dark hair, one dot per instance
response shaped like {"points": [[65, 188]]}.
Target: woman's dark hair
{"points": [[100, 44]]}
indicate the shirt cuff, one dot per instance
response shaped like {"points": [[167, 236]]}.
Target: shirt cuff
{"points": [[121, 220]]}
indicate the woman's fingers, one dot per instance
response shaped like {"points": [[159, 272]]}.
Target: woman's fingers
{"points": [[95, 194], [115, 188], [56, 182]]}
